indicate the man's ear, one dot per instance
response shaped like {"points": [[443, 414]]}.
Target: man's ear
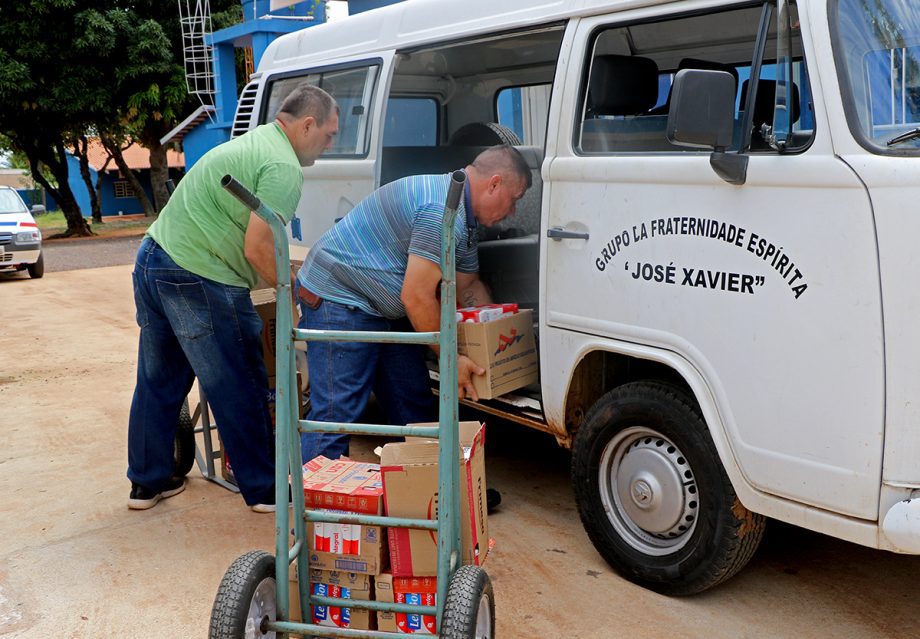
{"points": [[308, 123], [494, 182]]}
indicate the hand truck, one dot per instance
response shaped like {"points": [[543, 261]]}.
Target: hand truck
{"points": [[252, 600]]}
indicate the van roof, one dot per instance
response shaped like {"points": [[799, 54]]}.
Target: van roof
{"points": [[419, 22]]}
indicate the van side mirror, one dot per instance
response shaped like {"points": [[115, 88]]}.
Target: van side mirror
{"points": [[37, 208], [702, 115]]}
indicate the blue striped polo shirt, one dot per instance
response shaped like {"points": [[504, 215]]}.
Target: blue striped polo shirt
{"points": [[361, 261]]}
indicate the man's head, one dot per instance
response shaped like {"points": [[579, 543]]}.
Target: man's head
{"points": [[499, 177], [310, 119]]}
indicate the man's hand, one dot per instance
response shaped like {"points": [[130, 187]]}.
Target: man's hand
{"points": [[466, 368]]}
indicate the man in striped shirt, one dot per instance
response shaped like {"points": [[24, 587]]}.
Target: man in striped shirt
{"points": [[379, 269]]}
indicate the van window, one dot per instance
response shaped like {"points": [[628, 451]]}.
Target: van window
{"points": [[629, 76], [878, 57], [353, 90], [411, 122], [524, 110]]}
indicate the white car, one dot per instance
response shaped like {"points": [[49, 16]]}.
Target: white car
{"points": [[20, 239]]}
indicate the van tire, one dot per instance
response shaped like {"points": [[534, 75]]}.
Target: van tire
{"points": [[675, 525], [484, 134], [37, 270]]}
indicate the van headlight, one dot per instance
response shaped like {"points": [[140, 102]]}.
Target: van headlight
{"points": [[28, 237]]}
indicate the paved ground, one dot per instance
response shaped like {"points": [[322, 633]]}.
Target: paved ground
{"points": [[70, 255], [75, 562]]}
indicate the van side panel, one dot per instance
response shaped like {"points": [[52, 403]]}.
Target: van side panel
{"points": [[770, 289]]}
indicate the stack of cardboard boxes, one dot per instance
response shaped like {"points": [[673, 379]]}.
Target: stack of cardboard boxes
{"points": [[396, 564]]}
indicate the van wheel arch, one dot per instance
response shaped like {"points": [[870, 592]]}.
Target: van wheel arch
{"points": [[653, 495]]}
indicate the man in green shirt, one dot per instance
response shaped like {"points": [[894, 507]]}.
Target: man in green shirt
{"points": [[192, 279]]}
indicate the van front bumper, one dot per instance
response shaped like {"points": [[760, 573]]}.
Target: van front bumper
{"points": [[16, 254]]}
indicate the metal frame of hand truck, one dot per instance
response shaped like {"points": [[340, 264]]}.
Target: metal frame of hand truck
{"points": [[288, 460]]}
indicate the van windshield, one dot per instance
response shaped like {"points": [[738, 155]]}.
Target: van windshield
{"points": [[878, 53], [10, 202]]}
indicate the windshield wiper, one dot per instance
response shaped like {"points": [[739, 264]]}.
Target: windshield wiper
{"points": [[913, 134]]}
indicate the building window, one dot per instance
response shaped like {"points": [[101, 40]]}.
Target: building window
{"points": [[123, 189]]}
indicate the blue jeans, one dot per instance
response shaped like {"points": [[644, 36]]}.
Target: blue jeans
{"points": [[192, 326], [343, 375]]}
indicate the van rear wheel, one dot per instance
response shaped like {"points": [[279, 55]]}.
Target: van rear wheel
{"points": [[652, 493]]}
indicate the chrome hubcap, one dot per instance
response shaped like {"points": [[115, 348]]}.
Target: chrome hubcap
{"points": [[483, 619], [262, 608], [648, 491]]}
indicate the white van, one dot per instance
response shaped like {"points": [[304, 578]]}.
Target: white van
{"points": [[719, 244]]}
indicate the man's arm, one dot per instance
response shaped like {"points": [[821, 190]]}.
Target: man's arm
{"points": [[420, 297], [259, 249], [471, 291]]}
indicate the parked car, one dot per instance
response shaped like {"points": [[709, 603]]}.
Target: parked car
{"points": [[20, 239]]}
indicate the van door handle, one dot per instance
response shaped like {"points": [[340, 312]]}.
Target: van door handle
{"points": [[558, 233]]}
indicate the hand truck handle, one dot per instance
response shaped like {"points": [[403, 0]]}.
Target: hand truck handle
{"points": [[241, 193], [457, 181]]}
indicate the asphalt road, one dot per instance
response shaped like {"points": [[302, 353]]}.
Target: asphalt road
{"points": [[71, 255]]}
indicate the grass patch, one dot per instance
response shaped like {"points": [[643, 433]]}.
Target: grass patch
{"points": [[53, 222]]}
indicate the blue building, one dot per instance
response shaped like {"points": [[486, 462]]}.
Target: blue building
{"points": [[116, 194], [210, 125]]}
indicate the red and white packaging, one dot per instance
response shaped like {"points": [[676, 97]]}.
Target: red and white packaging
{"points": [[344, 486], [410, 590], [485, 313]]}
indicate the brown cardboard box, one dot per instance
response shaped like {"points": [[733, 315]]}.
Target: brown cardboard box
{"points": [[505, 348], [347, 585], [410, 479], [345, 486], [264, 301], [415, 590]]}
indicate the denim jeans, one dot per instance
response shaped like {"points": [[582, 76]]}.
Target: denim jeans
{"points": [[343, 375], [192, 326]]}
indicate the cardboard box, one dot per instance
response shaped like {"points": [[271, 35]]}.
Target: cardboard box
{"points": [[345, 486], [410, 479], [347, 585], [264, 301], [505, 348], [414, 590]]}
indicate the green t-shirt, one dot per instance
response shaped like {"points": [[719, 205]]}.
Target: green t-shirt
{"points": [[203, 227]]}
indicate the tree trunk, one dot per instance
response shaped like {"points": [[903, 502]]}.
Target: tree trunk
{"points": [[81, 148], [57, 164], [159, 173], [115, 150], [99, 175]]}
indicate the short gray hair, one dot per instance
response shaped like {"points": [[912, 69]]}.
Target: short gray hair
{"points": [[308, 100], [503, 159]]}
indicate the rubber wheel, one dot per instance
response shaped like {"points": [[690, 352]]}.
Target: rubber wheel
{"points": [[37, 270], [245, 599], [184, 449], [484, 134], [469, 609], [652, 493]]}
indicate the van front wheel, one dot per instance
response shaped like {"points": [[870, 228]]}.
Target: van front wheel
{"points": [[652, 493]]}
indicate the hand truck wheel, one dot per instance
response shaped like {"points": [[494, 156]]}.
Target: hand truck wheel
{"points": [[469, 609], [184, 448], [246, 598]]}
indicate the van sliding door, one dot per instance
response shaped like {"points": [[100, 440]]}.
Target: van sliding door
{"points": [[345, 174]]}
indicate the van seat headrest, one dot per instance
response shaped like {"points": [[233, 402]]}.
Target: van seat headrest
{"points": [[622, 85]]}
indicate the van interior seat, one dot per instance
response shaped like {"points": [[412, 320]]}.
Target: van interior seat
{"points": [[621, 91], [701, 65], [764, 104]]}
